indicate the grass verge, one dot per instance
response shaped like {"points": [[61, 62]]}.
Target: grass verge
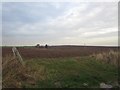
{"points": [[73, 72]]}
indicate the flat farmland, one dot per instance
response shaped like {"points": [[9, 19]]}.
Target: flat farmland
{"points": [[57, 51], [60, 67]]}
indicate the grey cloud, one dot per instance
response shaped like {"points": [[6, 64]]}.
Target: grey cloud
{"points": [[67, 25], [115, 33]]}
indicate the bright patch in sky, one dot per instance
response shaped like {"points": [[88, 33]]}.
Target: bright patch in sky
{"points": [[56, 23]]}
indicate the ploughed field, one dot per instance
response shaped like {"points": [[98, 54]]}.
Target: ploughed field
{"points": [[56, 51]]}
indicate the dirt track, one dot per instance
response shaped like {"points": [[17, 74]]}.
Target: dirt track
{"points": [[53, 52]]}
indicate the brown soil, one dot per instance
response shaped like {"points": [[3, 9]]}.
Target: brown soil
{"points": [[56, 51]]}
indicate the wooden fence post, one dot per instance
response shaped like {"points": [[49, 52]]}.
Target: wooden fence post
{"points": [[17, 55]]}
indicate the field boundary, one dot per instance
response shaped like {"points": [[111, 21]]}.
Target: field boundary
{"points": [[17, 55]]}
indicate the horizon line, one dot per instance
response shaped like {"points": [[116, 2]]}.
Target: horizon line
{"points": [[58, 45]]}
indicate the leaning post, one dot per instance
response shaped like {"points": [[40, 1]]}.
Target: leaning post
{"points": [[17, 55]]}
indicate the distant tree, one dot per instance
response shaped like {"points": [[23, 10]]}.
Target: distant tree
{"points": [[38, 45], [46, 46]]}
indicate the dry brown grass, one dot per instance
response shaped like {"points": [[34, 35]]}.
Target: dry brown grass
{"points": [[14, 75], [110, 57]]}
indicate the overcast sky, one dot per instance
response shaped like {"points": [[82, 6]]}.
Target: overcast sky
{"points": [[63, 23]]}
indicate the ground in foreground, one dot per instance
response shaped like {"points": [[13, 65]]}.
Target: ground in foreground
{"points": [[71, 72]]}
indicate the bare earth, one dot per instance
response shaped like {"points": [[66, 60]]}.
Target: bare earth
{"points": [[56, 51]]}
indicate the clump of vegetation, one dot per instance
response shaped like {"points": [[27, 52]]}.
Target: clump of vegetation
{"points": [[14, 74], [110, 57]]}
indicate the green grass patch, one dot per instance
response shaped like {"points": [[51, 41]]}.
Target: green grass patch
{"points": [[70, 72]]}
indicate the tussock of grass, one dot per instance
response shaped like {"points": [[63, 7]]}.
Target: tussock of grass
{"points": [[110, 57], [13, 73]]}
